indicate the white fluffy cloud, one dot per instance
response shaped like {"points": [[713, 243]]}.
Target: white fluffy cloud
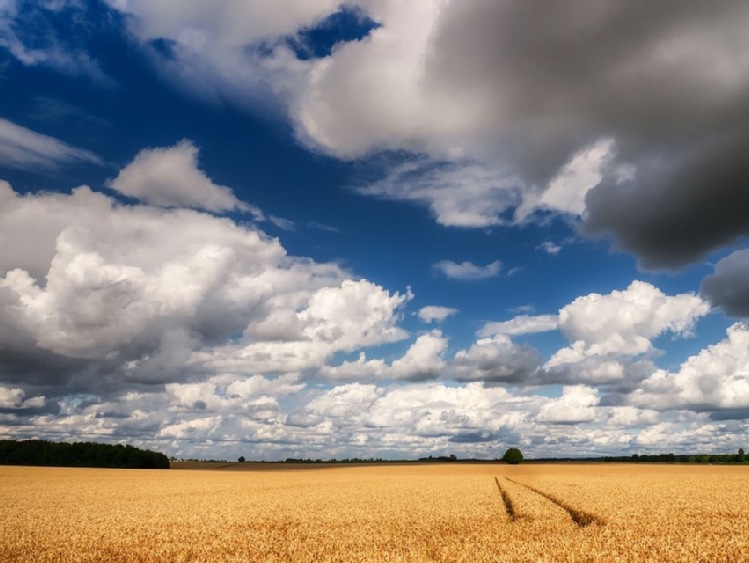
{"points": [[717, 378], [625, 322], [26, 149], [422, 361], [467, 270], [523, 324], [576, 405], [435, 314], [103, 284], [609, 334], [170, 177]]}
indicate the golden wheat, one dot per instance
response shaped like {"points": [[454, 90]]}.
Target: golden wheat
{"points": [[448, 512]]}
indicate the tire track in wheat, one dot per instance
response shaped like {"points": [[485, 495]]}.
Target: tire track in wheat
{"points": [[507, 501], [579, 517]]}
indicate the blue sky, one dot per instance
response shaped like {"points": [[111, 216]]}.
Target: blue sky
{"points": [[375, 229]]}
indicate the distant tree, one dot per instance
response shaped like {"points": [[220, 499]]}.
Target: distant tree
{"points": [[513, 456], [241, 459], [741, 457]]}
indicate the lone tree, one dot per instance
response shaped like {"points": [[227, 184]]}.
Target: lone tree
{"points": [[513, 456], [241, 459]]}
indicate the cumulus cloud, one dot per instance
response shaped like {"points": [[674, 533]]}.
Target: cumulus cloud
{"points": [[106, 288], [717, 378], [576, 405], [435, 314], [170, 177], [522, 324], [496, 359], [467, 270], [608, 333], [422, 361], [728, 287], [25, 149], [625, 322]]}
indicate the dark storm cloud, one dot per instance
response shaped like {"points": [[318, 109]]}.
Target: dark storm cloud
{"points": [[666, 81], [675, 215], [728, 287]]}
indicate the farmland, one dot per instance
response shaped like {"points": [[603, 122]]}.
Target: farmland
{"points": [[421, 512]]}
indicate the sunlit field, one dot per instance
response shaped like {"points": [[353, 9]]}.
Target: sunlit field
{"points": [[441, 512]]}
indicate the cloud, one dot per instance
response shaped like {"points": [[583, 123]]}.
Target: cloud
{"points": [[435, 314], [15, 399], [459, 194], [576, 405], [471, 82], [100, 298], [477, 118], [232, 50], [717, 378], [566, 192], [169, 177], [421, 362], [625, 322], [25, 149], [522, 324], [496, 359], [230, 23], [550, 248], [281, 223], [677, 209], [50, 34], [728, 287], [609, 334], [467, 270], [294, 337]]}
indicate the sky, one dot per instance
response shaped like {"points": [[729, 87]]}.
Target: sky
{"points": [[375, 228]]}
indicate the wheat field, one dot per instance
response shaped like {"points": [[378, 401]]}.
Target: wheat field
{"points": [[424, 512]]}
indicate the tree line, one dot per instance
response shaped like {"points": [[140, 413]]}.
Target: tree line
{"points": [[739, 457], [79, 454]]}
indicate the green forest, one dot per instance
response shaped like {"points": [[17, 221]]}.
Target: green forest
{"points": [[79, 454]]}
